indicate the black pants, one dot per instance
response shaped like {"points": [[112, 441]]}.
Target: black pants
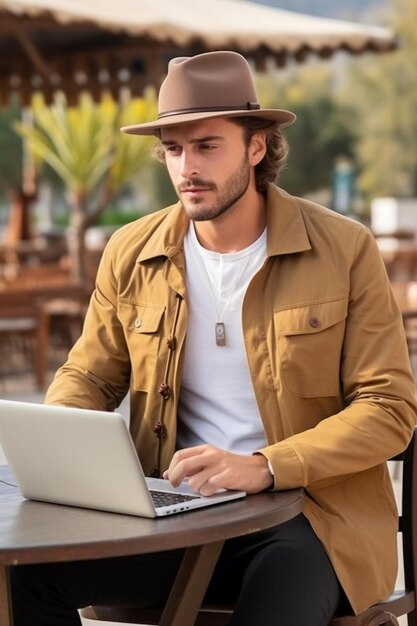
{"points": [[278, 577]]}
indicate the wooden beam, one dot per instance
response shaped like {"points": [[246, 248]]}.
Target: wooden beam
{"points": [[30, 50]]}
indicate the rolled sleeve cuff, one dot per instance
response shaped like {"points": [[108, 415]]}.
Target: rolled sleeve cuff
{"points": [[284, 465]]}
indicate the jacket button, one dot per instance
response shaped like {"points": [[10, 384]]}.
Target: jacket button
{"points": [[314, 322], [159, 430], [138, 322], [165, 391]]}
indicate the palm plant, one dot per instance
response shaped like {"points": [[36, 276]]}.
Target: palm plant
{"points": [[86, 149]]}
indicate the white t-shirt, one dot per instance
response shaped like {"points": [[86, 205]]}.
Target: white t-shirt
{"points": [[217, 403]]}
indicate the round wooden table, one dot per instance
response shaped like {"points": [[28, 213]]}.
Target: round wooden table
{"points": [[35, 532]]}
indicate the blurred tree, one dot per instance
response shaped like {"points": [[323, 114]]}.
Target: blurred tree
{"points": [[384, 93], [11, 153], [323, 131], [83, 145]]}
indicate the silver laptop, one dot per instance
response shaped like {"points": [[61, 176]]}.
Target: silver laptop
{"points": [[87, 458]]}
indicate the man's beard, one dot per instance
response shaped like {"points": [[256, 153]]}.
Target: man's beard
{"points": [[231, 192]]}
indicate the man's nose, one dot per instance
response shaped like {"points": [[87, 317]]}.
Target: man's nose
{"points": [[189, 166]]}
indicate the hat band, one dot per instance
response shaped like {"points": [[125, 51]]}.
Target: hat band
{"points": [[249, 106]]}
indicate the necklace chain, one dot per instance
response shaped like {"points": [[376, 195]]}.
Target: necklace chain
{"points": [[216, 293], [251, 257]]}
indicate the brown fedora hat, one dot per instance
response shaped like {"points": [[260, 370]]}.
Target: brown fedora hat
{"points": [[213, 84]]}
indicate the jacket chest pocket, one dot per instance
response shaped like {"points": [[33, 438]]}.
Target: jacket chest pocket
{"points": [[142, 328], [310, 340]]}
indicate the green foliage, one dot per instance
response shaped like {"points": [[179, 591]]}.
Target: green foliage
{"points": [[323, 130], [163, 191], [132, 150], [114, 217], [77, 143], [111, 216], [11, 153], [84, 145], [384, 93], [369, 114]]}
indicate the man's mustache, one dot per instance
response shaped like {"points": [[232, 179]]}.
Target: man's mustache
{"points": [[197, 183]]}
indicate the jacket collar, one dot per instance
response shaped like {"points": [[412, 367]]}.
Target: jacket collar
{"points": [[167, 240], [286, 229]]}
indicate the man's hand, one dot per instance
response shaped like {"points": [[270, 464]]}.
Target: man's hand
{"points": [[208, 469]]}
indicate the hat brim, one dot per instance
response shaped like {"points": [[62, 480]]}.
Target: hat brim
{"points": [[284, 118]]}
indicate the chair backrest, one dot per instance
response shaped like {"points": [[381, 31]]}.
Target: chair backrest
{"points": [[408, 518], [402, 601]]}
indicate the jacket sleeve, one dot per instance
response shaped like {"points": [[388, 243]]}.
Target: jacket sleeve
{"points": [[376, 382], [97, 372]]}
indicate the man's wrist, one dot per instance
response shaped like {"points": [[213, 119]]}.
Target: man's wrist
{"points": [[269, 468]]}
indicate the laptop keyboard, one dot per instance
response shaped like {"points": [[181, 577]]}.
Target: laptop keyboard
{"points": [[164, 498]]}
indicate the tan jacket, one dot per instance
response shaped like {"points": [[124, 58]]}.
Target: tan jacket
{"points": [[327, 356]]}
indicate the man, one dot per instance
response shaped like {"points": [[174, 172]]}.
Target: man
{"points": [[263, 350]]}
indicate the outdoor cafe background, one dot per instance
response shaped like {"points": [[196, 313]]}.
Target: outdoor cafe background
{"points": [[63, 184]]}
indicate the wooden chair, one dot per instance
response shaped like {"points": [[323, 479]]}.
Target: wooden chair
{"points": [[401, 602], [32, 305], [23, 322], [410, 327]]}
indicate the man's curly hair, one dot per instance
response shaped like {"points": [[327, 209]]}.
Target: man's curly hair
{"points": [[276, 153], [276, 148]]}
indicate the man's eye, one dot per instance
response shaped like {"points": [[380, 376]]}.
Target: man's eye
{"points": [[172, 149], [207, 146]]}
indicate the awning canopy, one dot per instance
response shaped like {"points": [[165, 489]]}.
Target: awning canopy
{"points": [[72, 45]]}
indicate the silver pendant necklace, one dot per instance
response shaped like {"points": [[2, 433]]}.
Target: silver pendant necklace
{"points": [[215, 292], [237, 274], [220, 334]]}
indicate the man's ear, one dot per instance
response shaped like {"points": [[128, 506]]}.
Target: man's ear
{"points": [[257, 148]]}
